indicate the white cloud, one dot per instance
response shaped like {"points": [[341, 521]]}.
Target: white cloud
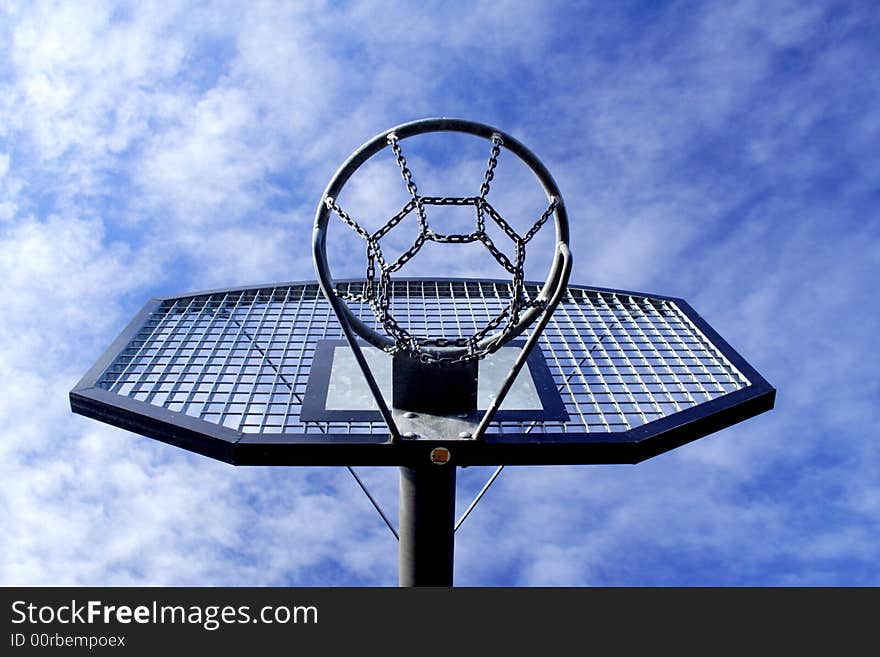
{"points": [[77, 104], [10, 187], [65, 284], [205, 169]]}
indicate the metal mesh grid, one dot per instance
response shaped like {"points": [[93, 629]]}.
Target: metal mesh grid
{"points": [[242, 358]]}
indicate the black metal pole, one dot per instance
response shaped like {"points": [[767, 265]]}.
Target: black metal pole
{"points": [[427, 521]]}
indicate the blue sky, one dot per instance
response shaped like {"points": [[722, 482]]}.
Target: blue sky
{"points": [[724, 152]]}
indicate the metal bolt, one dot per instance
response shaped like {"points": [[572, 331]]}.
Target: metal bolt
{"points": [[440, 456]]}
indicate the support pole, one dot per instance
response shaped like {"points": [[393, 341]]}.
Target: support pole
{"points": [[427, 521]]}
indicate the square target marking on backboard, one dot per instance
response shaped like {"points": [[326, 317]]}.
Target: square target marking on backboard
{"points": [[336, 389]]}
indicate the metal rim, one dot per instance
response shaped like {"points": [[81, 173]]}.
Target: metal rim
{"points": [[411, 129]]}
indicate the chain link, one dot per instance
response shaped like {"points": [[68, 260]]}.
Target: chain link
{"points": [[408, 179], [330, 202], [455, 238], [450, 200], [378, 294], [499, 220], [409, 254], [502, 259], [554, 203], [497, 143], [396, 219]]}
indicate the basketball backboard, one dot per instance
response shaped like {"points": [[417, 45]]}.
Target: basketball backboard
{"points": [[262, 376]]}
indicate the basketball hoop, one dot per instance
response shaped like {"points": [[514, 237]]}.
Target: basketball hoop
{"points": [[505, 326], [433, 392]]}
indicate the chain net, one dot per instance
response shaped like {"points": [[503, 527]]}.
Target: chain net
{"points": [[377, 288]]}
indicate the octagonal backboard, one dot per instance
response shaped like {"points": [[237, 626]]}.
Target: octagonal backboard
{"points": [[262, 376]]}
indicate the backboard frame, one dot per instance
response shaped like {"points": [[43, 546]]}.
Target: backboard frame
{"points": [[238, 448]]}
